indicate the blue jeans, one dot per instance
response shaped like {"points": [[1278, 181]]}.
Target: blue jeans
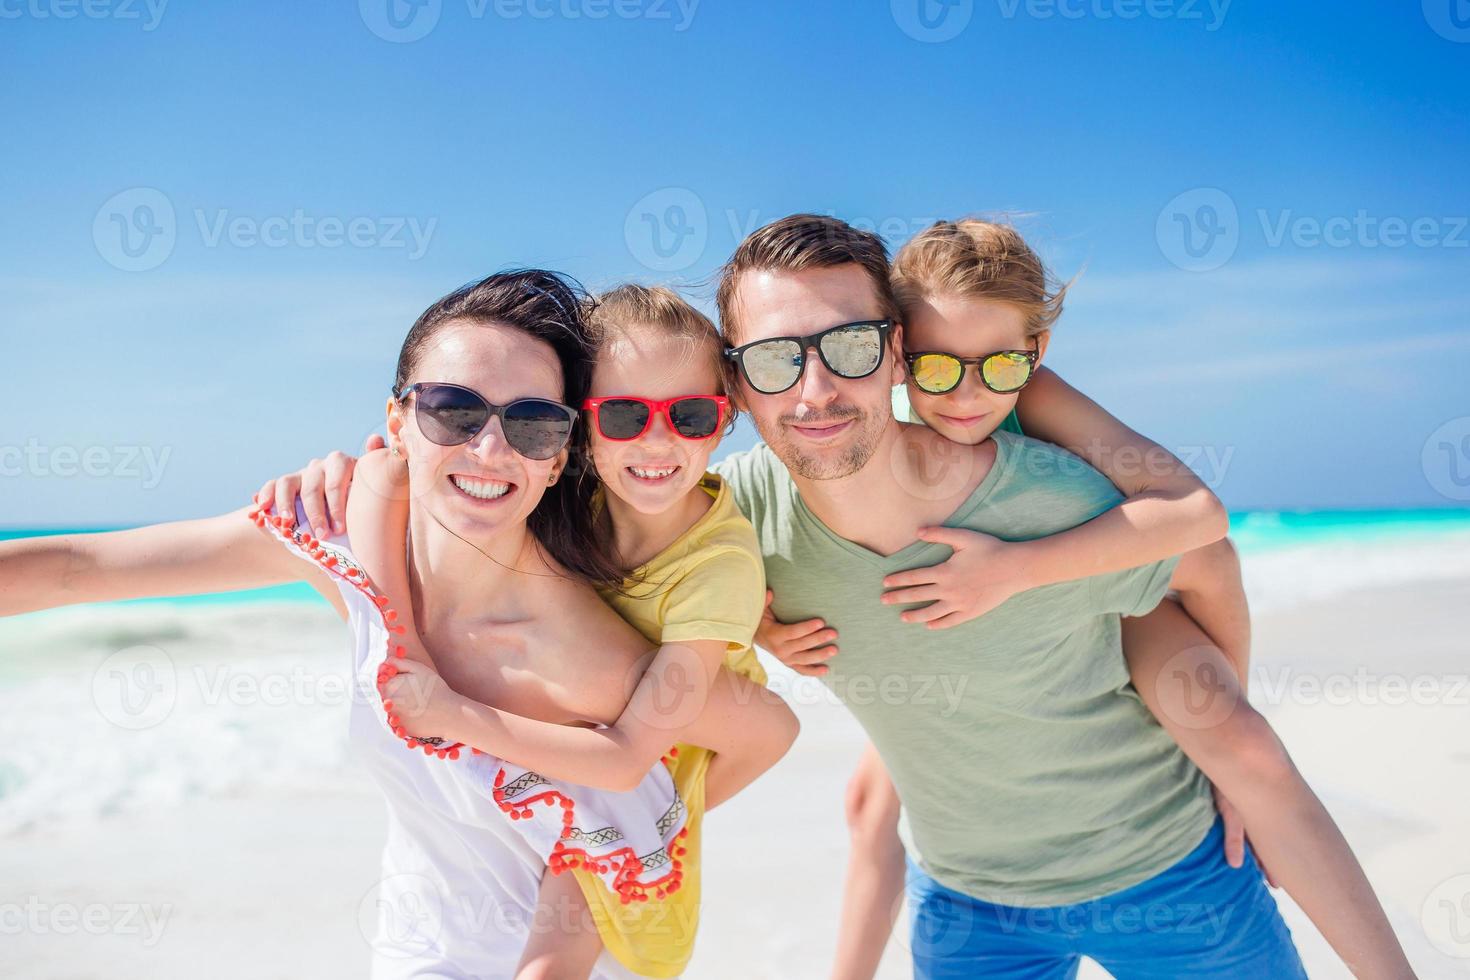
{"points": [[1199, 918]]}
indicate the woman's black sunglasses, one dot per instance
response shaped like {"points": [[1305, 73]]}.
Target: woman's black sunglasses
{"points": [[849, 350], [451, 415]]}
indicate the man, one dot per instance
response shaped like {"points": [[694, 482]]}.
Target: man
{"points": [[1048, 815]]}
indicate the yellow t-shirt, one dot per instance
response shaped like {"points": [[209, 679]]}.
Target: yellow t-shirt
{"points": [[710, 584]]}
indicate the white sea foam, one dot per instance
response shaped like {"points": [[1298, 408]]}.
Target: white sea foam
{"points": [[1282, 577], [105, 708]]}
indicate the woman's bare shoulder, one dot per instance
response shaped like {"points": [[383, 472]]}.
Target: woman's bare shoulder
{"points": [[600, 657], [579, 614]]}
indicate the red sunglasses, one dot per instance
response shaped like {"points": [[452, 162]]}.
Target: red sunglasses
{"points": [[626, 417]]}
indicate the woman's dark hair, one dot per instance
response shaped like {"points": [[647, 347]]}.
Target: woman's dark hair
{"points": [[549, 307]]}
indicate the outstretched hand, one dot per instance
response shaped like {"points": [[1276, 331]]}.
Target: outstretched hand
{"points": [[983, 572]]}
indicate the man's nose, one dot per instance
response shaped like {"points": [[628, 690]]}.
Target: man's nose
{"points": [[818, 386]]}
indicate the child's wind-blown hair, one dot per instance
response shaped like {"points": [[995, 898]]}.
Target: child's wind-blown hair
{"points": [[977, 258]]}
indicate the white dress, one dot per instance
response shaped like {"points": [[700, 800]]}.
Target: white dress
{"points": [[463, 863]]}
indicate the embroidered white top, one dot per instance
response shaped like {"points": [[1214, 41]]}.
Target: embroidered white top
{"points": [[460, 872]]}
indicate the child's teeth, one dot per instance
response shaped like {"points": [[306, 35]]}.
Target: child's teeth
{"points": [[652, 474], [483, 489]]}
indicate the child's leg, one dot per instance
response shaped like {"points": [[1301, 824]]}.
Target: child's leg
{"points": [[1210, 589], [1192, 689], [564, 944], [875, 870], [1208, 585]]}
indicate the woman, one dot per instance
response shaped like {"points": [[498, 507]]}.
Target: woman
{"points": [[502, 557]]}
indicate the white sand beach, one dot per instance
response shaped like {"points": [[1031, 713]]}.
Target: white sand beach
{"points": [[221, 874]]}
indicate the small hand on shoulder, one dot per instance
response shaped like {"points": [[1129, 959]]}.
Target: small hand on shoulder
{"points": [[982, 573]]}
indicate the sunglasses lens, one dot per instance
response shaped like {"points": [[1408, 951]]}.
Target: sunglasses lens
{"points": [[853, 352], [1006, 372], [936, 373], [772, 366], [449, 416], [536, 428], [622, 418], [695, 418]]}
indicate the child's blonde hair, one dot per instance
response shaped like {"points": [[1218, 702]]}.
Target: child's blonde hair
{"points": [[632, 306], [974, 257]]}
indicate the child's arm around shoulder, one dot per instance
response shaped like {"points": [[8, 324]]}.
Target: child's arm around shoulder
{"points": [[680, 692], [414, 695], [377, 512], [1168, 509]]}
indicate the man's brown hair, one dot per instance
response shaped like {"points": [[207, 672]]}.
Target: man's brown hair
{"points": [[804, 241]]}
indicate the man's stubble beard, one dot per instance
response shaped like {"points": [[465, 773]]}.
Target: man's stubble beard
{"points": [[852, 459]]}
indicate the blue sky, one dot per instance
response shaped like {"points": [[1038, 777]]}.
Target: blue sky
{"points": [[221, 219]]}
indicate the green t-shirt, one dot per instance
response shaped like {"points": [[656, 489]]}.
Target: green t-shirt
{"points": [[1030, 771], [903, 410]]}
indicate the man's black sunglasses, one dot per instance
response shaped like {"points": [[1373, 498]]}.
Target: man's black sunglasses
{"points": [[848, 350]]}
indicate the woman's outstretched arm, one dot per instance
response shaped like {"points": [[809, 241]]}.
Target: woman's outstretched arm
{"points": [[215, 554]]}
